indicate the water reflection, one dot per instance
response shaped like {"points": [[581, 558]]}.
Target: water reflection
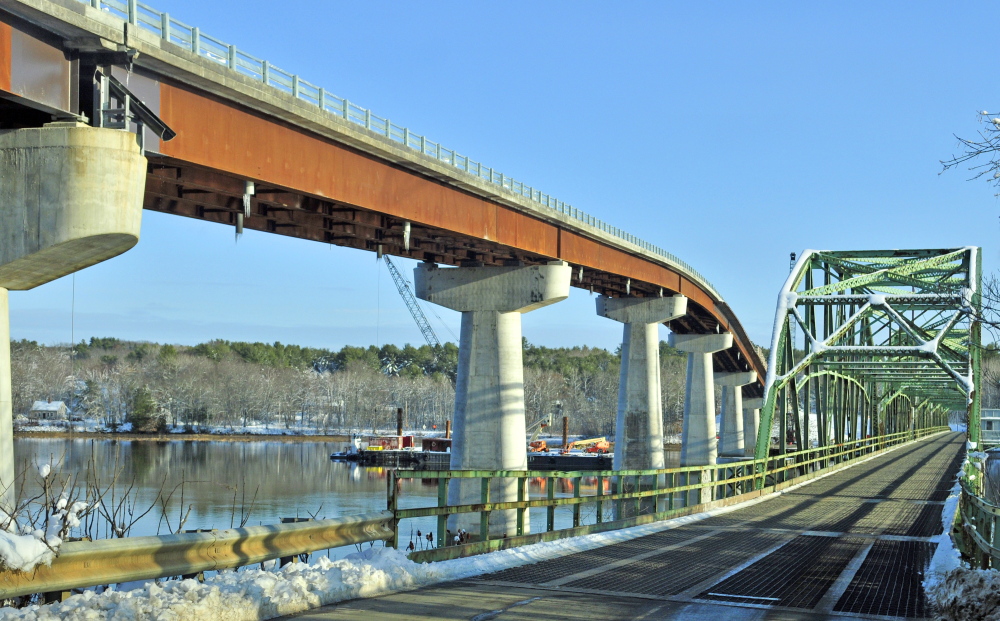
{"points": [[218, 480], [216, 483]]}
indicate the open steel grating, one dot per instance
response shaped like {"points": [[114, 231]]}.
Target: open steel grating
{"points": [[889, 581], [795, 575]]}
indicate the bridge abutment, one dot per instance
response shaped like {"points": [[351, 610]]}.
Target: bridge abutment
{"points": [[639, 424], [732, 436], [72, 197], [489, 425]]}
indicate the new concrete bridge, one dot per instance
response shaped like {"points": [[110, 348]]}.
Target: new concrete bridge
{"points": [[227, 138]]}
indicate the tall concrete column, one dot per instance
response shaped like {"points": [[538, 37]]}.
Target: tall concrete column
{"points": [[699, 446], [732, 439], [639, 425], [71, 197], [751, 423], [489, 426]]}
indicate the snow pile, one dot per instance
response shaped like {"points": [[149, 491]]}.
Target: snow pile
{"points": [[946, 557], [23, 552], [967, 595], [38, 546]]}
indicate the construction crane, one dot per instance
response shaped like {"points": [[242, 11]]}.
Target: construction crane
{"points": [[411, 304]]}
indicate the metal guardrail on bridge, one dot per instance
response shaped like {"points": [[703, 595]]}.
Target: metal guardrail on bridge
{"points": [[191, 39], [82, 564]]}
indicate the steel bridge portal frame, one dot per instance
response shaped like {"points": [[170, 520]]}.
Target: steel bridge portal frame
{"points": [[873, 342]]}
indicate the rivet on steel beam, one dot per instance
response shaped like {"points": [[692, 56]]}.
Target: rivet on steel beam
{"points": [[406, 236]]}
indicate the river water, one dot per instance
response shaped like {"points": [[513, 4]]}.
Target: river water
{"points": [[221, 484]]}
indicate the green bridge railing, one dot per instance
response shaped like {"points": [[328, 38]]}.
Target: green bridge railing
{"points": [[677, 492]]}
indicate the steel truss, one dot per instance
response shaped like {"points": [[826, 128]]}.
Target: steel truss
{"points": [[873, 342]]}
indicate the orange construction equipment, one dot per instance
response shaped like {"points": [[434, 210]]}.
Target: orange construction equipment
{"points": [[538, 446], [591, 445]]}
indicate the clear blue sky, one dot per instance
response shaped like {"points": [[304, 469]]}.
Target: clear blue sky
{"points": [[729, 133]]}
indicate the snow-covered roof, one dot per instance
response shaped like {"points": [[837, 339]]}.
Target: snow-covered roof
{"points": [[47, 406]]}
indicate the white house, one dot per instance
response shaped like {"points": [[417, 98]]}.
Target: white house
{"points": [[48, 410]]}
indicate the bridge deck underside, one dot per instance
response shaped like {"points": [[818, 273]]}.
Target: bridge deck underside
{"points": [[854, 544]]}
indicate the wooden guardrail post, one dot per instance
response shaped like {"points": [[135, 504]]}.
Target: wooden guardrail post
{"points": [[521, 483], [576, 494], [391, 506], [550, 511], [442, 520], [484, 515], [600, 493]]}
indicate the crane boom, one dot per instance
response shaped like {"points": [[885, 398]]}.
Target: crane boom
{"points": [[411, 304]]}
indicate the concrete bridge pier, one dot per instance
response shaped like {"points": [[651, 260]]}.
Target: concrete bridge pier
{"points": [[639, 425], [751, 424], [699, 446], [71, 197], [489, 427], [732, 436]]}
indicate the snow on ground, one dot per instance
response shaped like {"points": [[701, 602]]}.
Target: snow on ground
{"points": [[254, 594]]}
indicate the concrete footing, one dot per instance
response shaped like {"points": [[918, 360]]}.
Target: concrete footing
{"points": [[489, 427], [639, 425], [732, 438], [72, 197]]}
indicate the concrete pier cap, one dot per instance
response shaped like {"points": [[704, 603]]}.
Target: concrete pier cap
{"points": [[701, 343], [503, 289], [642, 310], [72, 197]]}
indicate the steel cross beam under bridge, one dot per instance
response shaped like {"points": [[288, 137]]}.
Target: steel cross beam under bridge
{"points": [[873, 342], [262, 148]]}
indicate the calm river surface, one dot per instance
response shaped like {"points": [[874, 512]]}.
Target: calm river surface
{"points": [[219, 481]]}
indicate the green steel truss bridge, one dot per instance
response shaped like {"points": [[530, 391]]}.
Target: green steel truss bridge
{"points": [[873, 342]]}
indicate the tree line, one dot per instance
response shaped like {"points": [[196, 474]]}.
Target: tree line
{"points": [[288, 387]]}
